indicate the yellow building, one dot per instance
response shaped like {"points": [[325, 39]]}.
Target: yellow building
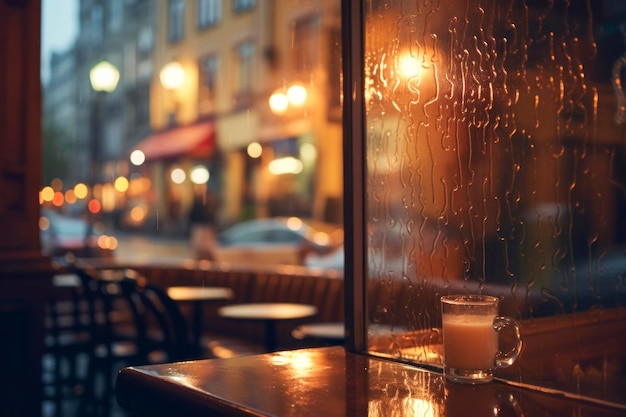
{"points": [[216, 66]]}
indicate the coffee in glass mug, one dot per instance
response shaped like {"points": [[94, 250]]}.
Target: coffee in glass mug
{"points": [[471, 350]]}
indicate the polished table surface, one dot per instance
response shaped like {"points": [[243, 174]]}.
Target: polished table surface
{"points": [[198, 296], [191, 293], [269, 314], [268, 311], [327, 382]]}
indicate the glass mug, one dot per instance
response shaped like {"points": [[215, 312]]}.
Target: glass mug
{"points": [[471, 349]]}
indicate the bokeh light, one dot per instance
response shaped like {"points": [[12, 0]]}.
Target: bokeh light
{"points": [[81, 190], [254, 150], [178, 176], [137, 157], [121, 184], [296, 94], [200, 175], [94, 206]]}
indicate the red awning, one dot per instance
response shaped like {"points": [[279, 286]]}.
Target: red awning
{"points": [[196, 140]]}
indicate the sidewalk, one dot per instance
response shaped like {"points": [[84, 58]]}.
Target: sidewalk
{"points": [[149, 249]]}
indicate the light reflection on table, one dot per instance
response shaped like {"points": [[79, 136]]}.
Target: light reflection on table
{"points": [[198, 296], [329, 382], [269, 314]]}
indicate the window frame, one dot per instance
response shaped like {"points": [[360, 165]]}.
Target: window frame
{"points": [[208, 75], [176, 20], [355, 242], [241, 6], [243, 84], [209, 13]]}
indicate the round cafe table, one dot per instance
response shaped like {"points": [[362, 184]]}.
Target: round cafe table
{"points": [[269, 314], [330, 333], [198, 296]]}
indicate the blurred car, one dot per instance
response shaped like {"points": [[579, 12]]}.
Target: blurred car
{"points": [[269, 241], [332, 260], [62, 235]]}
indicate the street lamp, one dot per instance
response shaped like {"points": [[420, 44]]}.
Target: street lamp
{"points": [[103, 78], [294, 97], [172, 77]]}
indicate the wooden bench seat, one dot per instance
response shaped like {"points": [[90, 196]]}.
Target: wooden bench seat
{"points": [[294, 285]]}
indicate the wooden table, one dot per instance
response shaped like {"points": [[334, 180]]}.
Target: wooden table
{"points": [[335, 332], [328, 382], [269, 314], [198, 296]]}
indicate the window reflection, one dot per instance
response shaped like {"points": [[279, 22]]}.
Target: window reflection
{"points": [[494, 164]]}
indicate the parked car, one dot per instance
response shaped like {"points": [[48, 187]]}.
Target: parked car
{"points": [[275, 241], [61, 235], [332, 260]]}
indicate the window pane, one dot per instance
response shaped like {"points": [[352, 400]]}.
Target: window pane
{"points": [[209, 12], [176, 28], [180, 149], [208, 73], [243, 5], [495, 157], [306, 44]]}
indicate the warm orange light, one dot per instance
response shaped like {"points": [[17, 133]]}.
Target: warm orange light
{"points": [[107, 242], [58, 199], [279, 102], [296, 94], [409, 66], [255, 150], [138, 214], [294, 223], [286, 165], [108, 197], [80, 190], [172, 75], [44, 223], [94, 206], [47, 193], [70, 197], [121, 184]]}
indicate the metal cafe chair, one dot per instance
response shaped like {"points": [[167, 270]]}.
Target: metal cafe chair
{"points": [[114, 339], [67, 347], [116, 320], [162, 328], [87, 331]]}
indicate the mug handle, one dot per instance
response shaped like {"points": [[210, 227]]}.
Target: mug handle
{"points": [[507, 359]]}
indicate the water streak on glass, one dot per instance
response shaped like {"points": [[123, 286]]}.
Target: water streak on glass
{"points": [[496, 165]]}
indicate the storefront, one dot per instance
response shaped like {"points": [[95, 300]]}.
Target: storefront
{"points": [[172, 170]]}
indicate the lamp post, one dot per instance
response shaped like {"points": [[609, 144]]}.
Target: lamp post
{"points": [[103, 78]]}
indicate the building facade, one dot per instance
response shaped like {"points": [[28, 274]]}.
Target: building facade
{"points": [[194, 97], [234, 56]]}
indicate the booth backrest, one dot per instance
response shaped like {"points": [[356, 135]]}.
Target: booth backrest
{"points": [[326, 292]]}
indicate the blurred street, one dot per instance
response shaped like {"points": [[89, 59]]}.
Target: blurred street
{"points": [[149, 249]]}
